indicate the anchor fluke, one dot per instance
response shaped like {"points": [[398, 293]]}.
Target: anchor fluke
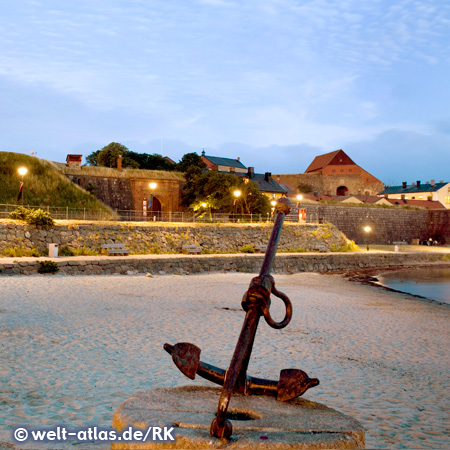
{"points": [[293, 383], [186, 357]]}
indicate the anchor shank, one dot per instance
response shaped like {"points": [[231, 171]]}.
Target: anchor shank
{"points": [[273, 244], [220, 426]]}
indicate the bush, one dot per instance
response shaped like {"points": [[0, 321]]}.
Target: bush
{"points": [[33, 252], [84, 251], [349, 246], [20, 213], [65, 250], [48, 267], [18, 252], [33, 217], [14, 252], [248, 248], [40, 217]]}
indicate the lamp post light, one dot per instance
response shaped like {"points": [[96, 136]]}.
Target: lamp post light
{"points": [[367, 229], [152, 186], [22, 172], [300, 213], [205, 205], [272, 210], [237, 193]]}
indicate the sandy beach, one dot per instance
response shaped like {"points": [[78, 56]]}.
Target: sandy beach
{"points": [[74, 348]]}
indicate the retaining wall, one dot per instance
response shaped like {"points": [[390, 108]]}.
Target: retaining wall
{"points": [[167, 238], [388, 224], [183, 264]]}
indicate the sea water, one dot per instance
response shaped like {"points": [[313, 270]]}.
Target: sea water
{"points": [[426, 282]]}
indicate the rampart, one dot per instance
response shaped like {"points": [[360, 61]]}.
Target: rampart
{"points": [[145, 238], [388, 224]]}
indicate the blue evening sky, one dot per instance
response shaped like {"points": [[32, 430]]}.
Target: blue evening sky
{"points": [[275, 82]]}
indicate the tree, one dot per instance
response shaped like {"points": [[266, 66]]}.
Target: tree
{"points": [[216, 190], [91, 160], [108, 155], [188, 160], [150, 162]]}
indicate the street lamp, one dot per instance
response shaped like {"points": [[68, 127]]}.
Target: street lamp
{"points": [[22, 172], [237, 193], [272, 210], [152, 186], [367, 229], [300, 213]]}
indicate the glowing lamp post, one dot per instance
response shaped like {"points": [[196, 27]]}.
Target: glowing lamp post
{"points": [[272, 210], [204, 205], [367, 229], [22, 172], [237, 193], [152, 186], [300, 212]]}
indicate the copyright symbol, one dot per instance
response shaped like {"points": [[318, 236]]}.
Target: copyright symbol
{"points": [[20, 434]]}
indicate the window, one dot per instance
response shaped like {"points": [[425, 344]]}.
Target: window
{"points": [[333, 171], [447, 199], [349, 170]]}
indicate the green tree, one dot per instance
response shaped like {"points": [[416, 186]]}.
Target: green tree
{"points": [[188, 160], [91, 160], [108, 155], [216, 190], [150, 162]]}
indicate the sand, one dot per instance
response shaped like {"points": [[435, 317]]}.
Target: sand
{"points": [[74, 348]]}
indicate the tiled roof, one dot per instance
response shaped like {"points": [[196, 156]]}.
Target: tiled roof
{"points": [[228, 162], [412, 189], [321, 161], [270, 186], [426, 204], [286, 188]]}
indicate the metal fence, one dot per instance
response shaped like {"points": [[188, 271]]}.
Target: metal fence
{"points": [[67, 213], [61, 213]]}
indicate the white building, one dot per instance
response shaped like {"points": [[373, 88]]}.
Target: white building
{"points": [[438, 192]]}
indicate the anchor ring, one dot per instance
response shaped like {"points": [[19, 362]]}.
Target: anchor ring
{"points": [[288, 315]]}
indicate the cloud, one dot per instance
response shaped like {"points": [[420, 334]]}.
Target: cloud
{"points": [[219, 3], [398, 155]]}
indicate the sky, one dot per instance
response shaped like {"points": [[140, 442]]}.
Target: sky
{"points": [[274, 82]]}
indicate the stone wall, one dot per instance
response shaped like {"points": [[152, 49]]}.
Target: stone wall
{"points": [[388, 224], [127, 193], [183, 264], [328, 184], [114, 192], [167, 238]]}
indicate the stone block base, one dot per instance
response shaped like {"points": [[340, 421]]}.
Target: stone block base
{"points": [[258, 422]]}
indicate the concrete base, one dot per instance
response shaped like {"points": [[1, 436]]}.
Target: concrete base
{"points": [[258, 422]]}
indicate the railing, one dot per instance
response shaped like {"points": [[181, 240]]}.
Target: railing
{"points": [[62, 213], [66, 213]]}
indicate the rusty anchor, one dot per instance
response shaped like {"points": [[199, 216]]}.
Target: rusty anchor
{"points": [[256, 303]]}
